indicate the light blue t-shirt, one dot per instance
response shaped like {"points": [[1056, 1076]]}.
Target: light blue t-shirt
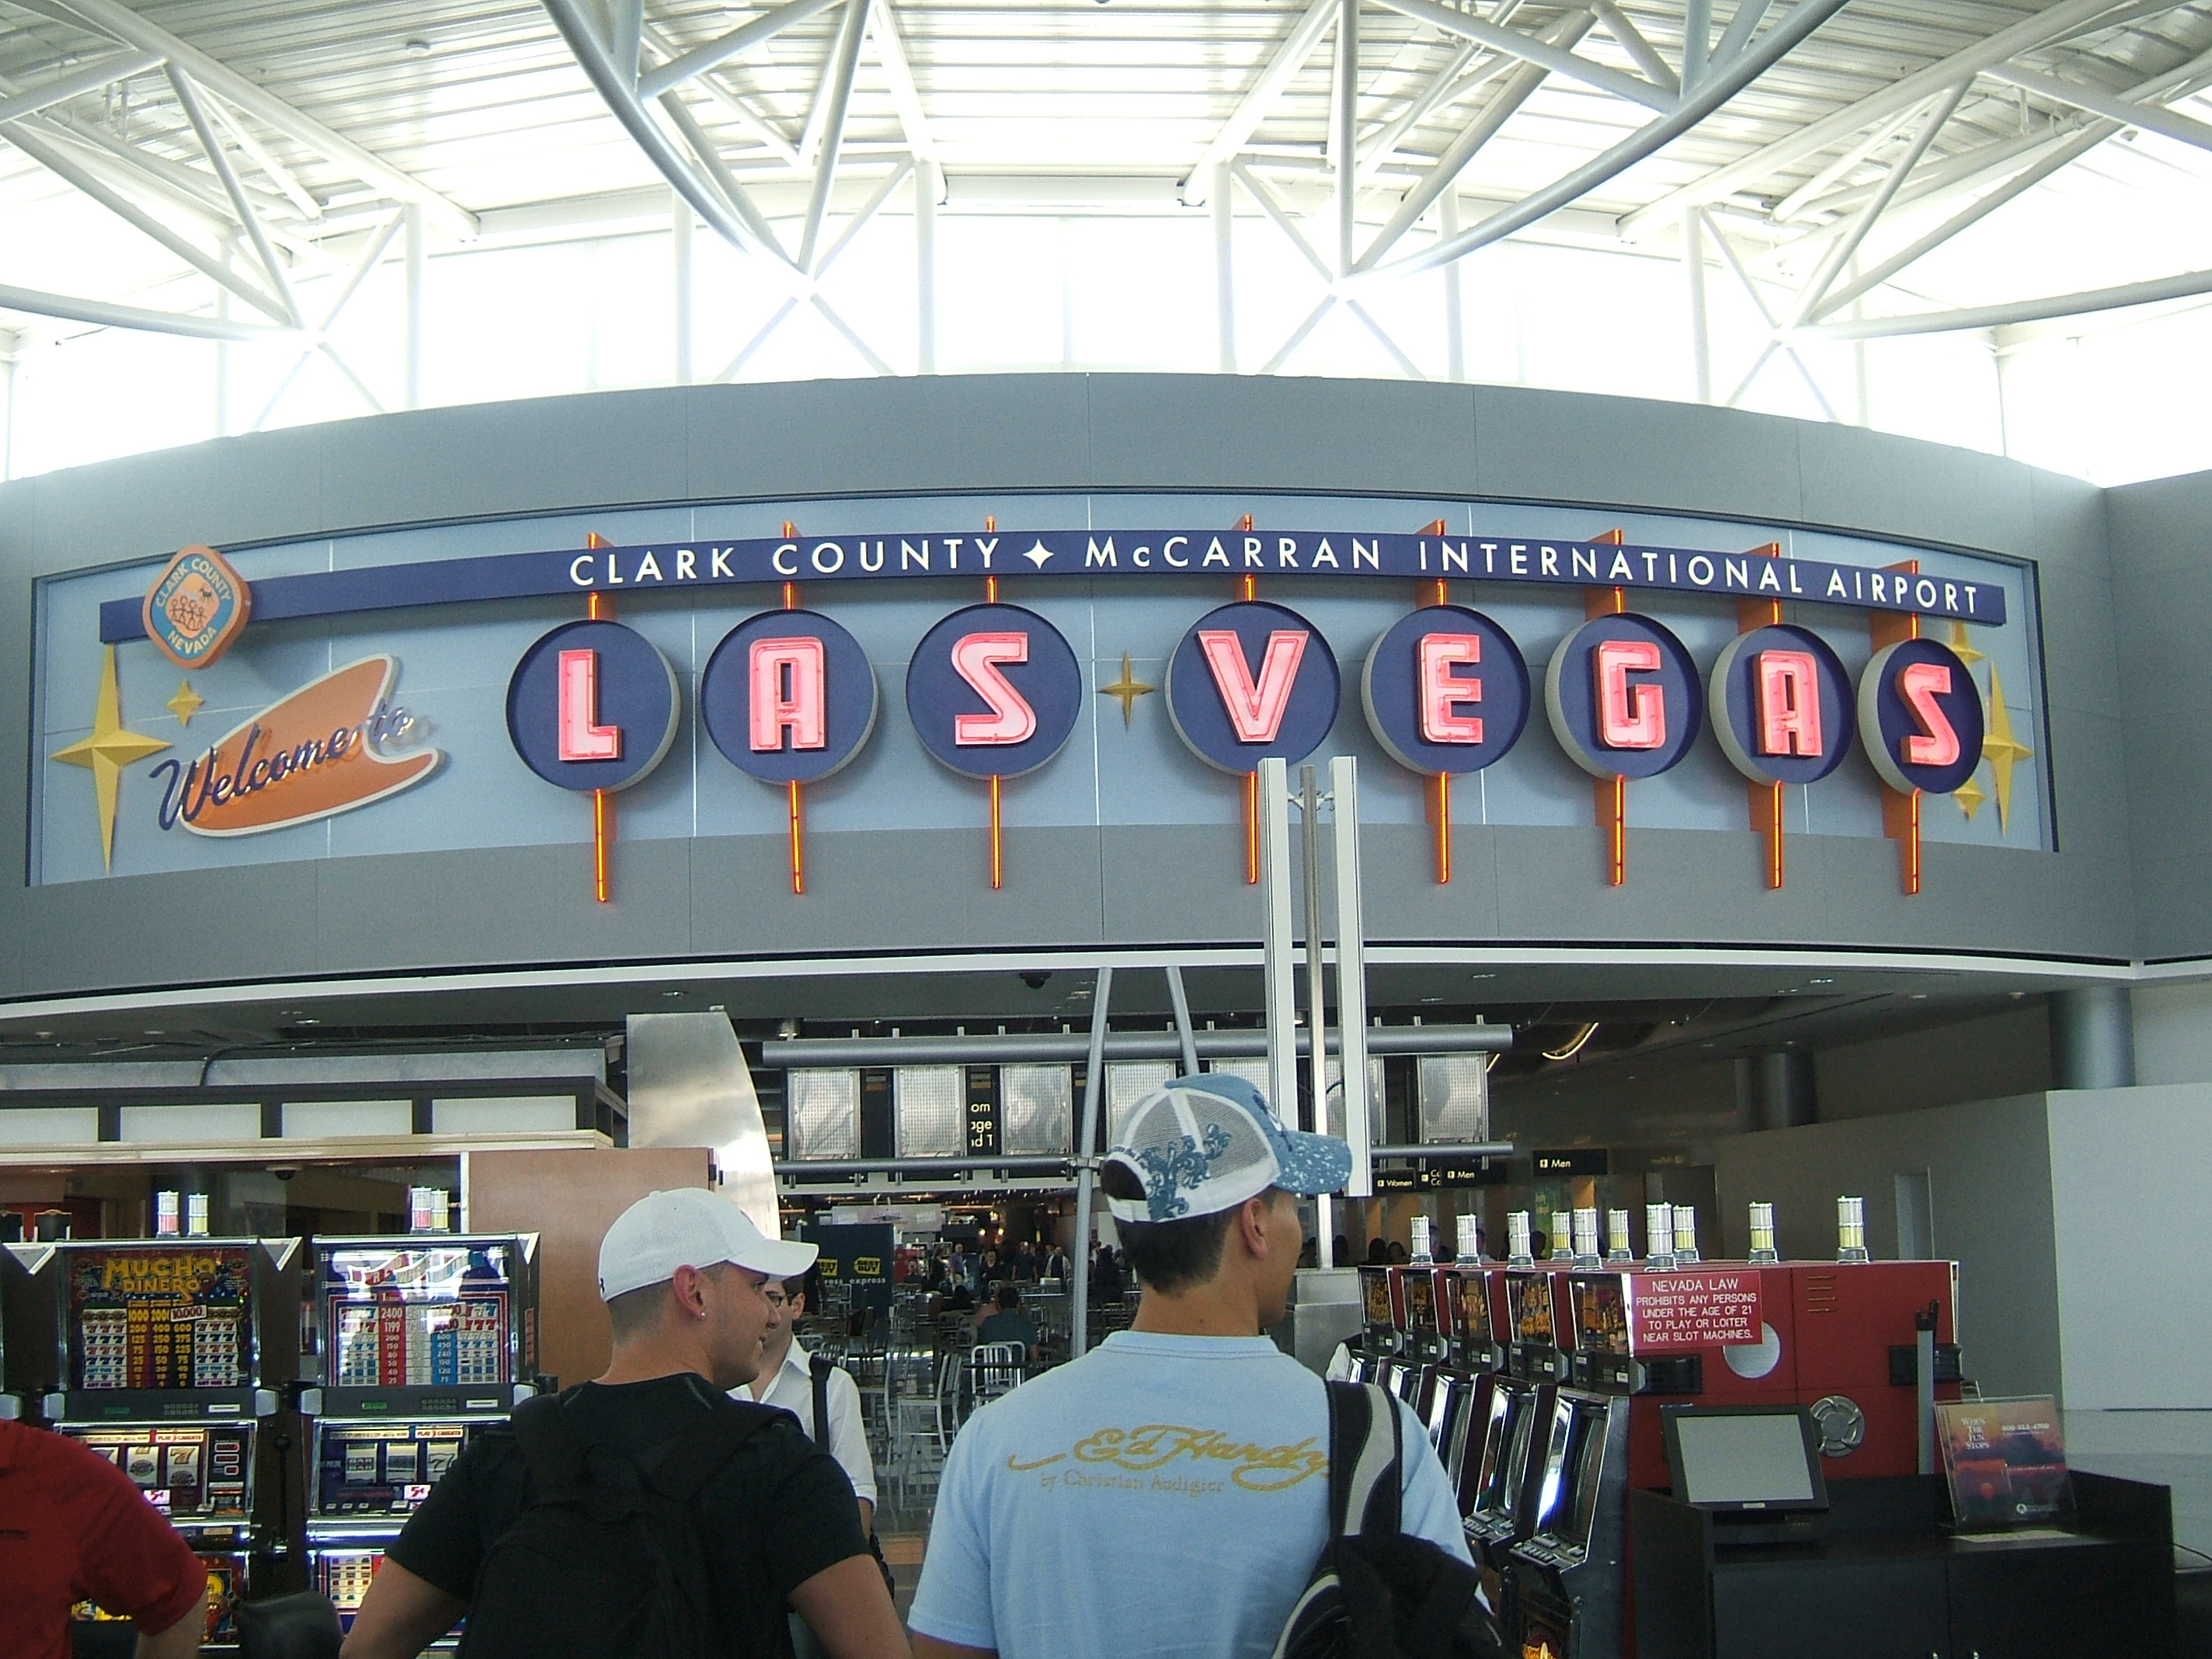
{"points": [[1162, 1497]]}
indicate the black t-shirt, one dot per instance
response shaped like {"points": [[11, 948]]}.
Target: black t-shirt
{"points": [[778, 1512]]}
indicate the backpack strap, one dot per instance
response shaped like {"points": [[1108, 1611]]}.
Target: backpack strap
{"points": [[818, 1367], [1364, 1460], [550, 1450], [693, 1461]]}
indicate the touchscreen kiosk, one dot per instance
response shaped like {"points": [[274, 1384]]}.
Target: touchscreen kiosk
{"points": [[1745, 1459]]}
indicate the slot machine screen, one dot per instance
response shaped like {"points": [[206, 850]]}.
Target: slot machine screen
{"points": [[1555, 1485], [344, 1576], [1447, 1302], [1421, 1299], [1447, 1404], [225, 1579], [1474, 1309], [1600, 1314], [1504, 1454], [160, 1317], [429, 1315], [1374, 1294], [382, 1469], [1535, 1319], [189, 1473]]}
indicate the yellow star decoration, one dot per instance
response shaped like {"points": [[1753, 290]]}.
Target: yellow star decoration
{"points": [[2002, 749], [186, 703], [1966, 653], [1970, 795], [106, 752], [1127, 689]]}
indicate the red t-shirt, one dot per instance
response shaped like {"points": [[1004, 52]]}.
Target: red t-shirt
{"points": [[73, 1528]]}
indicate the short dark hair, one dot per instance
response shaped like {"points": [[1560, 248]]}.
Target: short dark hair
{"points": [[636, 1312], [1169, 1255], [807, 1286], [1008, 1295]]}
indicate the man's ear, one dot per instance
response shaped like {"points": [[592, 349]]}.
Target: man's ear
{"points": [[1252, 1223]]}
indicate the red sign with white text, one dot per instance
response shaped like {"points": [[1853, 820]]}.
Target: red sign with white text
{"points": [[1678, 1312]]}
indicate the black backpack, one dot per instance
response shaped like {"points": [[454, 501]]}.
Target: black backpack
{"points": [[605, 1563], [1375, 1593]]}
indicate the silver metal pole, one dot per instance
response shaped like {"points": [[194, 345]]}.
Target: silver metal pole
{"points": [[411, 349], [1351, 975], [1281, 1000], [1693, 269], [1086, 1177], [1316, 1009], [1221, 204], [1454, 319], [1184, 1034], [929, 186], [679, 230], [1344, 130]]}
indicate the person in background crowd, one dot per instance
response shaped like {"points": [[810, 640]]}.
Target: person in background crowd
{"points": [[1394, 1254], [787, 1379], [1057, 1266], [1339, 1252], [1105, 1276], [1061, 1534], [684, 1275], [1006, 1322], [74, 1528], [1309, 1256], [988, 1272], [1378, 1253]]}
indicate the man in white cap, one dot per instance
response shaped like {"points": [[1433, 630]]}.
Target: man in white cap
{"points": [[1166, 1494], [646, 1510]]}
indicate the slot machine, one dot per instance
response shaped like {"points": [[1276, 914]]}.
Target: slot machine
{"points": [[1378, 1342], [1566, 1581], [422, 1341], [1496, 1491], [169, 1358], [1421, 1345]]}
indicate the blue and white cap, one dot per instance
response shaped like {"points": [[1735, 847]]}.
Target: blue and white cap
{"points": [[1203, 1144]]}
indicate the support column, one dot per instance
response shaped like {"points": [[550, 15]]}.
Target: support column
{"points": [[1221, 206], [929, 186], [2093, 1038], [1693, 271], [1344, 130], [9, 343], [1454, 316], [1776, 1090], [679, 230], [411, 349]]}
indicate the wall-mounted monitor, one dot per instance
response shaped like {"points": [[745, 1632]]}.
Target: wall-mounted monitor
{"points": [[1736, 1458]]}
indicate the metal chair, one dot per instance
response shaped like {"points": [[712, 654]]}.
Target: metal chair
{"points": [[995, 1368]]}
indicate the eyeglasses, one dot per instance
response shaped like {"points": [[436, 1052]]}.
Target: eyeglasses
{"points": [[777, 1298]]}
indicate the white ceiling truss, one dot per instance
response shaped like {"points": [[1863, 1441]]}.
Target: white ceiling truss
{"points": [[1812, 152]]}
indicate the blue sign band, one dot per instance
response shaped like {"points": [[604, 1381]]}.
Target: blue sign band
{"points": [[1092, 553]]}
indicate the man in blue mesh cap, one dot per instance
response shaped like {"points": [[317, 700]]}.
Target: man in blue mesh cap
{"points": [[1167, 1493]]}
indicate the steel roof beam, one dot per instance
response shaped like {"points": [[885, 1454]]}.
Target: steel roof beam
{"points": [[1758, 303], [1289, 58], [1843, 248], [1722, 84], [2113, 107], [76, 83], [2182, 287], [1504, 104], [273, 170], [835, 100], [890, 53], [1448, 85], [126, 25], [577, 30], [736, 44], [100, 314], [249, 221], [1630, 39], [146, 224], [1531, 50], [2052, 23]]}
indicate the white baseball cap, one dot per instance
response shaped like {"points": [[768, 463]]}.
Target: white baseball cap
{"points": [[688, 1227]]}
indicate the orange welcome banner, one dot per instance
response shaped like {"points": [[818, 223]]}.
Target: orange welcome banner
{"points": [[318, 751]]}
